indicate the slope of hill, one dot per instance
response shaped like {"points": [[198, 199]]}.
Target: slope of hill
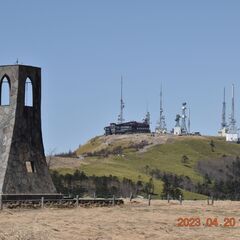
{"points": [[141, 156]]}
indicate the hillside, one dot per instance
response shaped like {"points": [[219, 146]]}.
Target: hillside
{"points": [[143, 156]]}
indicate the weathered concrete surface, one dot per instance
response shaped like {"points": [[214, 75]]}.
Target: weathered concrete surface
{"points": [[21, 136]]}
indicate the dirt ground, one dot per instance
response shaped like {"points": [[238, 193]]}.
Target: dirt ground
{"points": [[133, 221]]}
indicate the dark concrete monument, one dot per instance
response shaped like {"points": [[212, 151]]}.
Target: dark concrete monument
{"points": [[23, 167]]}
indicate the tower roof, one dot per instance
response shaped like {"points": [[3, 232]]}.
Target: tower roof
{"points": [[18, 65]]}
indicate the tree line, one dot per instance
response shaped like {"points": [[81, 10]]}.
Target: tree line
{"points": [[80, 184]]}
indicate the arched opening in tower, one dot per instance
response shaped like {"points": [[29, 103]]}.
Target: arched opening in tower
{"points": [[28, 93], [5, 91]]}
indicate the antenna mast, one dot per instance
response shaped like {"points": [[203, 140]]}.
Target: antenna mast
{"points": [[189, 120], [224, 124], [232, 115], [161, 108], [184, 117], [120, 116], [232, 124], [162, 124], [147, 118]]}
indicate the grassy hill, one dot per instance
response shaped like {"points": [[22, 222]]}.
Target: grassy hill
{"points": [[134, 156]]}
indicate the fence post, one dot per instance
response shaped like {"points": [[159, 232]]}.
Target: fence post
{"points": [[77, 200], [1, 202], [113, 202], [131, 197], [180, 199], [149, 199], [168, 198], [212, 200], [42, 202], [208, 200]]}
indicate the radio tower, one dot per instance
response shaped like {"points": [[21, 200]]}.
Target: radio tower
{"points": [[224, 123], [161, 124], [120, 116], [147, 118], [232, 123], [184, 117], [189, 121]]}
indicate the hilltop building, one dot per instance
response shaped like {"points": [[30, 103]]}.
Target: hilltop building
{"points": [[128, 127]]}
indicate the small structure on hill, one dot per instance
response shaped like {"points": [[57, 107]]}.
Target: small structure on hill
{"points": [[127, 128], [181, 128], [232, 133], [177, 129], [229, 130]]}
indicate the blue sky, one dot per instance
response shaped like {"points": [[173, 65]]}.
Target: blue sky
{"points": [[83, 48]]}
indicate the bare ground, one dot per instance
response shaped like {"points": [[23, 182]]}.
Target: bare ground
{"points": [[132, 221], [64, 162]]}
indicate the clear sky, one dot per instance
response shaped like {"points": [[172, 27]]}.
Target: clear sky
{"points": [[83, 48]]}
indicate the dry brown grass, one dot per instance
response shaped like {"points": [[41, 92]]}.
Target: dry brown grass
{"points": [[132, 221], [65, 162]]}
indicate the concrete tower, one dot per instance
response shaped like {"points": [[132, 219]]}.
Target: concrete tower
{"points": [[23, 168]]}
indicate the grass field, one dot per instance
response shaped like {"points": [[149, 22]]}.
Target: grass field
{"points": [[131, 221]]}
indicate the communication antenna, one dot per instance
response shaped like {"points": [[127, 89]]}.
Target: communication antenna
{"points": [[232, 124], [162, 128], [233, 107], [177, 120], [224, 123], [147, 118], [120, 116], [189, 120], [184, 117]]}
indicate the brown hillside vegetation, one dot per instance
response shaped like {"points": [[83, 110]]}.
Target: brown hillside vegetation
{"points": [[65, 162], [128, 222]]}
